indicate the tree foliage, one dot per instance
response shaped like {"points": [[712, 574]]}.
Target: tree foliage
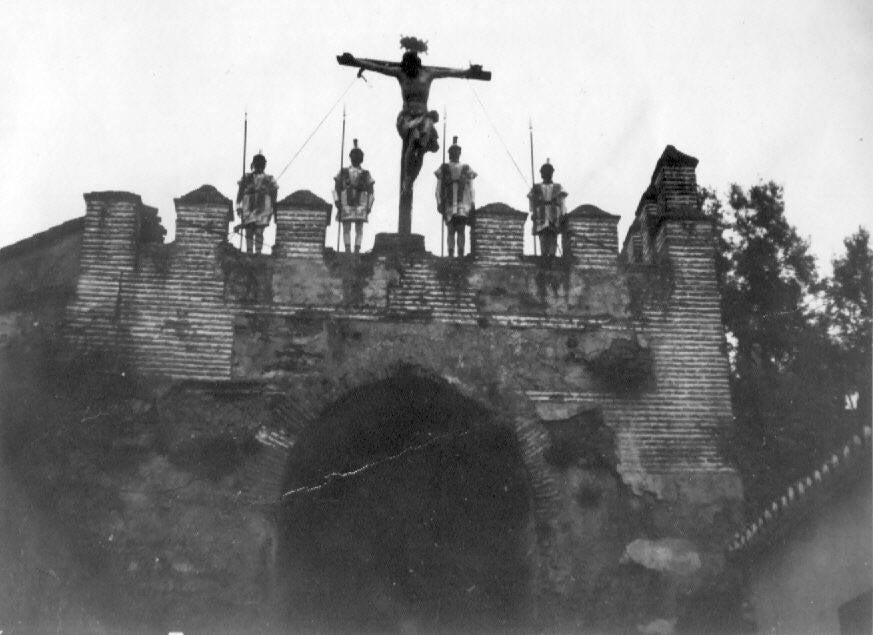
{"points": [[789, 361], [848, 316]]}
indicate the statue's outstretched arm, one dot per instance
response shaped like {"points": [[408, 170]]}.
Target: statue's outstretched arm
{"points": [[474, 72], [377, 66]]}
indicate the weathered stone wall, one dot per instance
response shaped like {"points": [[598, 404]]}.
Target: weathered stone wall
{"points": [[158, 308], [610, 375], [38, 279]]}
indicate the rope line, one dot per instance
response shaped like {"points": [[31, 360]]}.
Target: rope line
{"points": [[312, 134], [497, 132]]}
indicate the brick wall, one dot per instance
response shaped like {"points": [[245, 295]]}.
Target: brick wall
{"points": [[591, 237], [109, 247], [159, 309], [301, 221], [497, 235], [686, 335], [177, 319]]}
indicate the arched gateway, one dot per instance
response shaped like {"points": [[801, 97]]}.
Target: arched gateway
{"points": [[406, 505]]}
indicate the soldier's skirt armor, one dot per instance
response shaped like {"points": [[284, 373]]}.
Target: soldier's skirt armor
{"points": [[354, 190], [455, 192], [547, 207], [256, 204]]}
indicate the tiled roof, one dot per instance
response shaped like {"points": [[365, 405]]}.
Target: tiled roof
{"points": [[47, 236], [798, 492]]}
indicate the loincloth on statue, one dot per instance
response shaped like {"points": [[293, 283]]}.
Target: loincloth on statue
{"points": [[421, 121]]}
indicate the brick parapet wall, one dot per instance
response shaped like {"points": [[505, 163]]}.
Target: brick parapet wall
{"points": [[301, 223], [110, 234], [676, 425], [672, 193], [300, 233], [687, 338], [592, 237], [497, 235], [167, 319], [199, 231], [108, 251], [646, 213], [632, 250], [202, 219], [677, 188]]}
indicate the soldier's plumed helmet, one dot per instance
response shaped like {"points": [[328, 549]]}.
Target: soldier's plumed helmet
{"points": [[259, 161], [454, 149], [547, 168], [356, 154]]}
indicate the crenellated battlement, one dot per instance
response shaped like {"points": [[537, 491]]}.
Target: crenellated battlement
{"points": [[120, 228], [195, 308]]}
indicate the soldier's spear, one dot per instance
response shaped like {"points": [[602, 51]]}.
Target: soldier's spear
{"points": [[442, 218], [243, 179], [245, 139], [342, 160], [532, 181]]}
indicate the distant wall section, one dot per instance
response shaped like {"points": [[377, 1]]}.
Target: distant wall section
{"points": [[38, 278]]}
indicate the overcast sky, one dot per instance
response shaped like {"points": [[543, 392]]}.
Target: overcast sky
{"points": [[149, 97]]}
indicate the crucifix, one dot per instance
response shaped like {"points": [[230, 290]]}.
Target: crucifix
{"points": [[415, 123]]}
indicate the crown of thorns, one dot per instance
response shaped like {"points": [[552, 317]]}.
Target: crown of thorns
{"points": [[411, 43]]}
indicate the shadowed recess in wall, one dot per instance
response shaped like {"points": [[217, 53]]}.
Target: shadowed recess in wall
{"points": [[626, 365], [583, 440], [424, 523]]}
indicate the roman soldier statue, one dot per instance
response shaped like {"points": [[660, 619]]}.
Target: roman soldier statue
{"points": [[256, 203], [353, 196], [455, 197], [547, 210]]}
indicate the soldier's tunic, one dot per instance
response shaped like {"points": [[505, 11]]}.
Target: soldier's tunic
{"points": [[353, 194], [547, 206], [256, 198], [454, 192]]}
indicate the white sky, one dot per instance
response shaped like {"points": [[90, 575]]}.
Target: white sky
{"points": [[149, 97]]}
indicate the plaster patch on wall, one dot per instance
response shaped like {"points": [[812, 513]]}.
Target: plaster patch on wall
{"points": [[689, 487], [557, 410], [668, 555]]}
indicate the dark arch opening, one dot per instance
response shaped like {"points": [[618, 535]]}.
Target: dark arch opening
{"points": [[431, 532]]}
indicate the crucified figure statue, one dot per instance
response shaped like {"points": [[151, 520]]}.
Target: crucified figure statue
{"points": [[415, 123]]}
